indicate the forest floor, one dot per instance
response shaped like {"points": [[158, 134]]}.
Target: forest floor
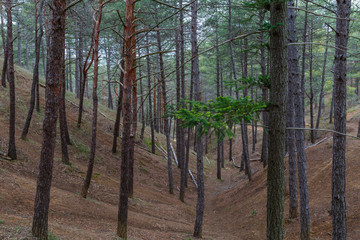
{"points": [[235, 208]]}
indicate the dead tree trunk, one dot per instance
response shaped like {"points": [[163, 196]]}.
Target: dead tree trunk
{"points": [[53, 91]]}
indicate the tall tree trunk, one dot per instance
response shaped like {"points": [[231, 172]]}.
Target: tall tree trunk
{"points": [[38, 37], [97, 22], [166, 123], [108, 68], [199, 141], [83, 72], [70, 70], [293, 75], [120, 101], [300, 145], [5, 65], [311, 96], [220, 143], [141, 101], [277, 120], [244, 130], [151, 119], [332, 107], [53, 91], [77, 61], [18, 38], [130, 78], [321, 96], [338, 203], [64, 134], [303, 56], [11, 78], [265, 114]]}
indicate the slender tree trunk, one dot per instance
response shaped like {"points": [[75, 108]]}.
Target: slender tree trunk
{"points": [[18, 38], [149, 96], [331, 107], [199, 141], [11, 78], [265, 114], [180, 95], [70, 70], [130, 77], [303, 56], [5, 65], [77, 62], [300, 146], [142, 102], [83, 73], [358, 135], [120, 102], [277, 120], [321, 96], [311, 97], [2, 27], [166, 123], [338, 203], [293, 75], [27, 49], [220, 143], [38, 37], [108, 67], [53, 91], [63, 123], [96, 37]]}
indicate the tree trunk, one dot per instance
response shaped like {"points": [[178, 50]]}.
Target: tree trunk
{"points": [[35, 71], [149, 96], [18, 39], [11, 79], [120, 102], [300, 145], [199, 141], [303, 56], [293, 75], [108, 68], [130, 77], [321, 97], [338, 203], [277, 120], [142, 102], [97, 22], [63, 123], [331, 107], [69, 71], [265, 114], [311, 97], [166, 123], [53, 91]]}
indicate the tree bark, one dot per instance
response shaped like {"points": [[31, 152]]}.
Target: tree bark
{"points": [[11, 79], [38, 37], [149, 96], [97, 22], [321, 97], [277, 120], [130, 77], [311, 96], [293, 75], [338, 203], [53, 91], [199, 141], [120, 101], [166, 120]]}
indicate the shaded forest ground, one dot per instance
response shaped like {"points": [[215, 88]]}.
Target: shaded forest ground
{"points": [[235, 208]]}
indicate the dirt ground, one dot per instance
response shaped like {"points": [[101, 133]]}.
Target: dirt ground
{"points": [[235, 208]]}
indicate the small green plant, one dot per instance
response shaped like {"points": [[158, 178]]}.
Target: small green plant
{"points": [[1, 221], [253, 213]]}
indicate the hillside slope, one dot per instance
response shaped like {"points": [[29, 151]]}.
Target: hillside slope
{"points": [[235, 208]]}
